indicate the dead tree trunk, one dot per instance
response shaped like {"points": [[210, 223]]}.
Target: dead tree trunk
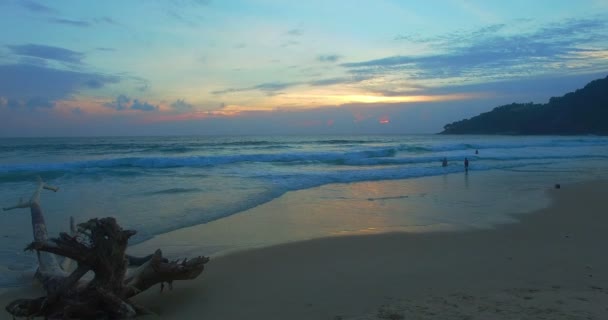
{"points": [[99, 245], [48, 268]]}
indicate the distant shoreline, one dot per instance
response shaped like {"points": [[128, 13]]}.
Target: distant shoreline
{"points": [[575, 113]]}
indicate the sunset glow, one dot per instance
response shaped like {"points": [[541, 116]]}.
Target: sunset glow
{"points": [[66, 64]]}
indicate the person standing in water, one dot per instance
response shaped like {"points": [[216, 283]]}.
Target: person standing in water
{"points": [[444, 163], [466, 164]]}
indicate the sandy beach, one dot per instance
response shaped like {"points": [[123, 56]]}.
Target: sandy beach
{"points": [[545, 265]]}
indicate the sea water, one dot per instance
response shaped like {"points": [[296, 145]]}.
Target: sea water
{"points": [[159, 184]]}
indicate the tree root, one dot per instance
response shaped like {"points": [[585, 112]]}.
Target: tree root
{"points": [[98, 245]]}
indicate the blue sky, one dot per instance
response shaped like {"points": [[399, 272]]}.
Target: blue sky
{"points": [[79, 68]]}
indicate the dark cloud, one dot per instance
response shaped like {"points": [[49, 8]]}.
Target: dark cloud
{"points": [[94, 83], [47, 52], [340, 80], [25, 81], [105, 49], [143, 106], [123, 102], [36, 7], [39, 102], [486, 51], [181, 105], [268, 88], [33, 61], [274, 86], [329, 58], [73, 23], [32, 103]]}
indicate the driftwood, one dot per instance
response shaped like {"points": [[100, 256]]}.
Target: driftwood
{"points": [[97, 245]]}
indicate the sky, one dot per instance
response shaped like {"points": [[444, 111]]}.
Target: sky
{"points": [[197, 67]]}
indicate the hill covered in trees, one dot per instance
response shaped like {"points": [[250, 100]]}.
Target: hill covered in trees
{"points": [[584, 111]]}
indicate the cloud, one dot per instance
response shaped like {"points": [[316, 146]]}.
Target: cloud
{"points": [[123, 102], [340, 80], [39, 102], [327, 119], [73, 23], [143, 106], [107, 20], [295, 32], [329, 58], [36, 7], [32, 103], [47, 52], [26, 81], [268, 88], [33, 61], [83, 23], [94, 83], [491, 50], [533, 88], [274, 86], [181, 105], [454, 37]]}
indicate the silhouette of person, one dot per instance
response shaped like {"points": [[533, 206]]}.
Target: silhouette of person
{"points": [[444, 163], [466, 164], [476, 151]]}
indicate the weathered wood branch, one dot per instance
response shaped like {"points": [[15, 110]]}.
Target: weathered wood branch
{"points": [[158, 270], [97, 245], [49, 271]]}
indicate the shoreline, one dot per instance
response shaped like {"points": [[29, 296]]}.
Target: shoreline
{"points": [[453, 201], [550, 260]]}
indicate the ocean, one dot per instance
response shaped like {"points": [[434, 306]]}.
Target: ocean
{"points": [[160, 184]]}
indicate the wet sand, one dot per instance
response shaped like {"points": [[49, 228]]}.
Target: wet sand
{"points": [[549, 264]]}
